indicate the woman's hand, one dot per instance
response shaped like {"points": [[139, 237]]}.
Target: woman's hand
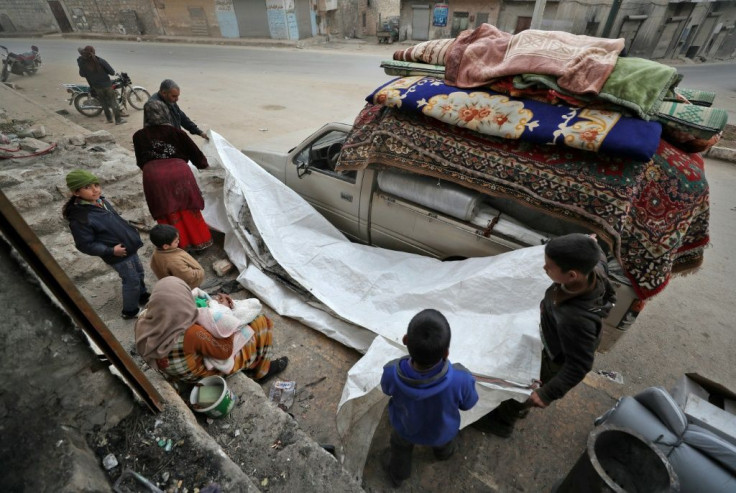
{"points": [[224, 299]]}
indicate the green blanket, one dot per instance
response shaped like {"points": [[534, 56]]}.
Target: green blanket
{"points": [[636, 84]]}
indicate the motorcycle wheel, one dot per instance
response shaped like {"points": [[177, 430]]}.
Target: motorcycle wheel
{"points": [[137, 97], [87, 105], [4, 75]]}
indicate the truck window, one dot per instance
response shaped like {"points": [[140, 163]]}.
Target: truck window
{"points": [[323, 154]]}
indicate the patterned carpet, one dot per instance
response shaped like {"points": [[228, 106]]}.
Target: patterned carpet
{"points": [[654, 215]]}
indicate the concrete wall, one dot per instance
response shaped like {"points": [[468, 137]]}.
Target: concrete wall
{"points": [[118, 16], [177, 19], [470, 7], [665, 30], [373, 10], [26, 16]]}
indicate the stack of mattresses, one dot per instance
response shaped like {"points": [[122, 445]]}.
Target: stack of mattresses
{"points": [[599, 89], [604, 171]]}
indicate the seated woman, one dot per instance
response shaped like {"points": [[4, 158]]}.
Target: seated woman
{"points": [[169, 339]]}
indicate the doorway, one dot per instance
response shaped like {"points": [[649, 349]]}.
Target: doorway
{"points": [[522, 24], [459, 23], [420, 22]]}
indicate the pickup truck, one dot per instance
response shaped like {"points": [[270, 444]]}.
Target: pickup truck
{"points": [[423, 215]]}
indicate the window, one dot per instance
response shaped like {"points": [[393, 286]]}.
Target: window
{"points": [[323, 154]]}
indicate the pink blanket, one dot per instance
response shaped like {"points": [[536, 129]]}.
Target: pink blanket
{"points": [[581, 63]]}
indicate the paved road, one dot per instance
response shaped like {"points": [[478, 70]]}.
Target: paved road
{"points": [[249, 95]]}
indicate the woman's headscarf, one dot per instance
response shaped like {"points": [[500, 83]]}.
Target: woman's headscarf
{"points": [[170, 311], [156, 113]]}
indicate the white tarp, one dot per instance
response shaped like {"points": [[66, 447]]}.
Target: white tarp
{"points": [[355, 292]]}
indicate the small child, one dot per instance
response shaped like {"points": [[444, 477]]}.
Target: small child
{"points": [[426, 393], [223, 321], [170, 260], [99, 231]]}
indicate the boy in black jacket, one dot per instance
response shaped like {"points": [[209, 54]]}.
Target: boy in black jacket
{"points": [[98, 230], [571, 317]]}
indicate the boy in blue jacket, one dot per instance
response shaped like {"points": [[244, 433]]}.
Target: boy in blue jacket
{"points": [[427, 394], [99, 231]]}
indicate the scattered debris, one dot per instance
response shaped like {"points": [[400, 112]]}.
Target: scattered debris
{"points": [[222, 267], [139, 478], [282, 394], [110, 462], [99, 137], [611, 375]]}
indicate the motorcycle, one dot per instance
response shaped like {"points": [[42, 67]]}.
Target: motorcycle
{"points": [[19, 63], [87, 104]]}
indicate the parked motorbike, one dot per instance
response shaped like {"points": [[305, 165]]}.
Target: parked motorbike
{"points": [[19, 63], [87, 104]]}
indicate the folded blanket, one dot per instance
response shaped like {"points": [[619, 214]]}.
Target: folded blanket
{"points": [[406, 69], [492, 113], [701, 121], [432, 52], [636, 84], [694, 96], [654, 215], [582, 64]]}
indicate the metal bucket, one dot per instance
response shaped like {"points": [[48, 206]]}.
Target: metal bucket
{"points": [[622, 461], [221, 406]]}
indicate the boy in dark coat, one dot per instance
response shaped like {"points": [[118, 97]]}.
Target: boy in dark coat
{"points": [[427, 394], [99, 231], [572, 311]]}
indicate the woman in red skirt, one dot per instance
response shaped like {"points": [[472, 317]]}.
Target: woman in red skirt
{"points": [[172, 193]]}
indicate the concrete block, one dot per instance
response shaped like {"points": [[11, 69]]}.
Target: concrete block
{"points": [[99, 137], [30, 144], [222, 267], [723, 153], [39, 132], [76, 140], [25, 200]]}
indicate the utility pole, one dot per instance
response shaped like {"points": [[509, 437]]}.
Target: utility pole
{"points": [[538, 14], [611, 17]]}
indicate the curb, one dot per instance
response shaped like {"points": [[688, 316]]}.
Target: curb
{"points": [[722, 153]]}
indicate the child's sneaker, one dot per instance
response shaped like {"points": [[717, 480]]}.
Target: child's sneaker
{"points": [[130, 315], [444, 453]]}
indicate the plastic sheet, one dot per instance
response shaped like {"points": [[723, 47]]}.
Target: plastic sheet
{"points": [[302, 267]]}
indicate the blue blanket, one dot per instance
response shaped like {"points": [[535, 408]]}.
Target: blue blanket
{"points": [[492, 113]]}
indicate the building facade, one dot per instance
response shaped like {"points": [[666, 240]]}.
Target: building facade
{"points": [[703, 28], [667, 29]]}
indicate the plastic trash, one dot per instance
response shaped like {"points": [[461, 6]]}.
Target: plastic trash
{"points": [[282, 394]]}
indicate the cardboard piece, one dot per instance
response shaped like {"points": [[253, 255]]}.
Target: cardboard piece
{"points": [[707, 404]]}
